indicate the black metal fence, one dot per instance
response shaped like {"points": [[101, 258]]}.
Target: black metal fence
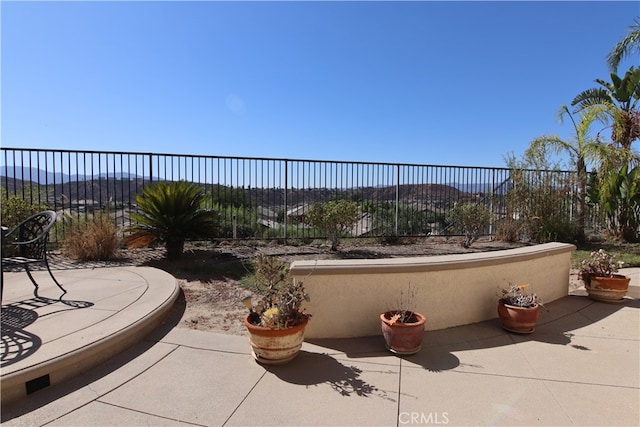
{"points": [[268, 198]]}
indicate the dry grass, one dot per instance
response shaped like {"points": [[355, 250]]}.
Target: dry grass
{"points": [[94, 239]]}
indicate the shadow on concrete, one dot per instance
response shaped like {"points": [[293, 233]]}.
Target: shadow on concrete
{"points": [[557, 325], [17, 343], [312, 369], [37, 400]]}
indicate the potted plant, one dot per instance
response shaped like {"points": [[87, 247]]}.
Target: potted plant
{"points": [[518, 310], [277, 322], [599, 274], [403, 329]]}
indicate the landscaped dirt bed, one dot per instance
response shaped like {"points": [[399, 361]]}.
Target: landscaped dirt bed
{"points": [[209, 275]]}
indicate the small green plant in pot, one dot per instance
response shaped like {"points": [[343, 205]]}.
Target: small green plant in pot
{"points": [[601, 279], [518, 310], [276, 323]]}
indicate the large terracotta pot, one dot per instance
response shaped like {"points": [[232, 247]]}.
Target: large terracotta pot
{"points": [[403, 338], [275, 346], [517, 319], [608, 289]]}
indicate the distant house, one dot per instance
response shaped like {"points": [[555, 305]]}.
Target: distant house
{"points": [[264, 225], [363, 226], [298, 214], [266, 213], [84, 205]]}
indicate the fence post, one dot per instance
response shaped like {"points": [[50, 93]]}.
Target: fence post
{"points": [[286, 202], [397, 197], [150, 167]]}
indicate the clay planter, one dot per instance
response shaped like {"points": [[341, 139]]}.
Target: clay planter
{"points": [[517, 319], [275, 346], [608, 289], [403, 338]]}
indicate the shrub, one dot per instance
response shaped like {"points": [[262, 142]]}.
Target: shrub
{"points": [[539, 202], [169, 214], [15, 209], [334, 219], [509, 229], [245, 227], [471, 219], [93, 239], [619, 197]]}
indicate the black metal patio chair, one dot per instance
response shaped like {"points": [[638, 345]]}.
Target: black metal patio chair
{"points": [[26, 244]]}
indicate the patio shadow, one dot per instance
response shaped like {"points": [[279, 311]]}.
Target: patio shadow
{"points": [[558, 325], [312, 369], [18, 343]]}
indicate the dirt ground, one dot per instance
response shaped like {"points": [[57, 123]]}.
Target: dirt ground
{"points": [[209, 276]]}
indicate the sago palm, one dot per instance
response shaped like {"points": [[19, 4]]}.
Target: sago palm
{"points": [[169, 214]]}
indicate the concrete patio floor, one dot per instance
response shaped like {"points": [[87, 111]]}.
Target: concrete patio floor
{"points": [[580, 367]]}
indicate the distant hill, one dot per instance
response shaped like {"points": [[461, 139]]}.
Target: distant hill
{"points": [[121, 188], [42, 177]]}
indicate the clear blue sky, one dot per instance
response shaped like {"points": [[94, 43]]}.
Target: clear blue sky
{"points": [[445, 83]]}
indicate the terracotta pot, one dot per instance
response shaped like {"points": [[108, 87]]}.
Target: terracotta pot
{"points": [[608, 289], [403, 338], [275, 346], [517, 319]]}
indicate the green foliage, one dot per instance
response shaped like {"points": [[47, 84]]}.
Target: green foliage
{"points": [[410, 221], [620, 98], [629, 253], [15, 209], [471, 219], [582, 149], [246, 225], [334, 219], [537, 201], [169, 214], [92, 239], [618, 194], [629, 45], [225, 196]]}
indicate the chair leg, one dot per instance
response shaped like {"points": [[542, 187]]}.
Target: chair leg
{"points": [[54, 279], [35, 284], [35, 292]]}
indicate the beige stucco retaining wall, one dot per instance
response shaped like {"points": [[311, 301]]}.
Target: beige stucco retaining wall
{"points": [[347, 296]]}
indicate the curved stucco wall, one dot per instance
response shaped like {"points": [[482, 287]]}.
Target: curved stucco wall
{"points": [[347, 296]]}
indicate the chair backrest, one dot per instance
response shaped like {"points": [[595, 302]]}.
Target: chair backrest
{"points": [[32, 234]]}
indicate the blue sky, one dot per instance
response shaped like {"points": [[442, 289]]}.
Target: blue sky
{"points": [[444, 83]]}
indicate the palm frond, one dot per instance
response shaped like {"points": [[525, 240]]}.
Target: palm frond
{"points": [[171, 213], [627, 46], [591, 97]]}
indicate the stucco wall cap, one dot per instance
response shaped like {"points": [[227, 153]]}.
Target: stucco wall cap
{"points": [[427, 263]]}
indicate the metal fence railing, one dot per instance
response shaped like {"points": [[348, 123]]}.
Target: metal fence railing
{"points": [[268, 198]]}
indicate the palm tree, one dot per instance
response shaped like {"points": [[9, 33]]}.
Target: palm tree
{"points": [[582, 149], [171, 213], [628, 45], [620, 98]]}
